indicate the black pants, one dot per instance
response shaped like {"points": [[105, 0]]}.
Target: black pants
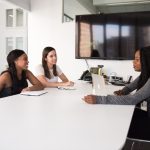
{"points": [[140, 125], [139, 132]]}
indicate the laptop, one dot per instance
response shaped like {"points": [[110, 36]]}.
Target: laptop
{"points": [[99, 87]]}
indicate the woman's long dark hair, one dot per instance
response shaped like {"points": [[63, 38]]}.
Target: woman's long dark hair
{"points": [[145, 66], [11, 58], [46, 50]]}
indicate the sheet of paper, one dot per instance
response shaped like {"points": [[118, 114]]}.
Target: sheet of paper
{"points": [[66, 88], [33, 93]]}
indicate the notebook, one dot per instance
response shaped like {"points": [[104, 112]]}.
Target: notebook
{"points": [[99, 87], [66, 88], [33, 93]]}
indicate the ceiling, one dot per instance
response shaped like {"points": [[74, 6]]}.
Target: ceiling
{"points": [[99, 4], [78, 7]]}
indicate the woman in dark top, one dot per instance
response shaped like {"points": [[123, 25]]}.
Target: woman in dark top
{"points": [[14, 79]]}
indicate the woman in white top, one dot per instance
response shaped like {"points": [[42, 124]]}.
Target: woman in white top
{"points": [[49, 72]]}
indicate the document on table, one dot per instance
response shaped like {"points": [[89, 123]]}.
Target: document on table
{"points": [[33, 93], [66, 88]]}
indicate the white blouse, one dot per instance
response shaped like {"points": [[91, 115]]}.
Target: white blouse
{"points": [[39, 70]]}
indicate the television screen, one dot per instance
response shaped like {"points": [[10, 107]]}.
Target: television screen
{"points": [[111, 36]]}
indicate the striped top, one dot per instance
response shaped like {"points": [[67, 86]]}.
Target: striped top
{"points": [[130, 99]]}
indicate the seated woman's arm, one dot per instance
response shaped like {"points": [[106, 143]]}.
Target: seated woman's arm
{"points": [[2, 81], [65, 81], [36, 84], [63, 77], [5, 82], [128, 88], [142, 94]]}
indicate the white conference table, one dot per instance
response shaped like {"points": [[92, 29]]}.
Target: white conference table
{"points": [[61, 120]]}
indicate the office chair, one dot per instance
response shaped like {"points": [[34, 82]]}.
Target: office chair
{"points": [[138, 137], [136, 144]]}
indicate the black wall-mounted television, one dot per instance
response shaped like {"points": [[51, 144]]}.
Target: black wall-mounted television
{"points": [[111, 36]]}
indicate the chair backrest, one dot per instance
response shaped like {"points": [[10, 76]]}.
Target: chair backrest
{"points": [[136, 144]]}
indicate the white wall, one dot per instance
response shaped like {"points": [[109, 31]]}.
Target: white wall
{"points": [[10, 32], [45, 28]]}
